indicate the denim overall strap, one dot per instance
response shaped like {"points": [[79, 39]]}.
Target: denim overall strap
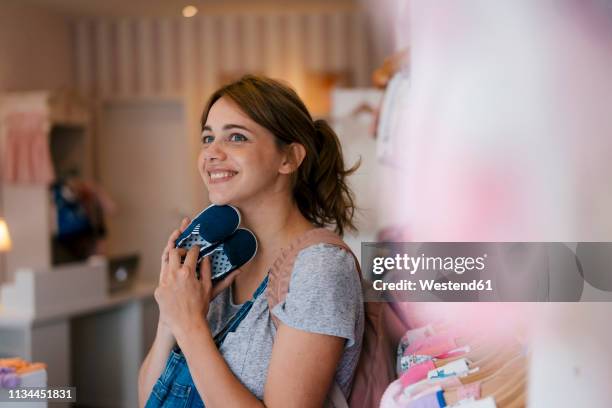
{"points": [[234, 322]]}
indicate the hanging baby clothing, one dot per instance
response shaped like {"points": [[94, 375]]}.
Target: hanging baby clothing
{"points": [[26, 158], [390, 131]]}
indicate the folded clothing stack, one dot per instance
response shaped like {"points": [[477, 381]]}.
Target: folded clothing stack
{"points": [[448, 365], [15, 372]]}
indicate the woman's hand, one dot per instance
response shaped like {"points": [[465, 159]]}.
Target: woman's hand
{"points": [[162, 329], [183, 299], [170, 244]]}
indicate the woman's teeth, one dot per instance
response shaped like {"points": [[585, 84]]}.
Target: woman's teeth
{"points": [[221, 175]]}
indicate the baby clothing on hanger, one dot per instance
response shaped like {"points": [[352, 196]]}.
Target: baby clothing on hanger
{"points": [[422, 384], [27, 159]]}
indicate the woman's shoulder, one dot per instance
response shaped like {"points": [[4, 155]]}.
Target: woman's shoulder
{"points": [[321, 244], [329, 264], [323, 251], [324, 294]]}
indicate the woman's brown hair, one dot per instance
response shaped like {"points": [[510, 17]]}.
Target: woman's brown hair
{"points": [[320, 189]]}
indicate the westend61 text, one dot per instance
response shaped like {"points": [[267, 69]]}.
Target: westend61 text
{"points": [[432, 285]]}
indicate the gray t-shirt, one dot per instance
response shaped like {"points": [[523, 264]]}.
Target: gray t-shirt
{"points": [[324, 297]]}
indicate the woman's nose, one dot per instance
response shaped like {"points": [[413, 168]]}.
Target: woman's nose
{"points": [[214, 151]]}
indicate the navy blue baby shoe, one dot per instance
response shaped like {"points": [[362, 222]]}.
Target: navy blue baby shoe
{"points": [[232, 253], [211, 226]]}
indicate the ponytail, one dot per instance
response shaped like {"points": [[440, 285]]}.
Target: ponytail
{"points": [[320, 189], [321, 192]]}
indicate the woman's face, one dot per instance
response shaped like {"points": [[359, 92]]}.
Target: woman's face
{"points": [[239, 160]]}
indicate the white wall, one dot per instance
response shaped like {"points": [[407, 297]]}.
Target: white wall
{"points": [[142, 165]]}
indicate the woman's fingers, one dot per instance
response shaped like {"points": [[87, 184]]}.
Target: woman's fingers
{"points": [[165, 252], [173, 237], [175, 258], [169, 245], [192, 258], [205, 270], [176, 233], [184, 223]]}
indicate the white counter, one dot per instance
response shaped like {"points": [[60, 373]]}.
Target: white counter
{"points": [[96, 345]]}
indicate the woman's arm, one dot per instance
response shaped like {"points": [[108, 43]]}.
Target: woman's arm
{"points": [[302, 368], [154, 363]]}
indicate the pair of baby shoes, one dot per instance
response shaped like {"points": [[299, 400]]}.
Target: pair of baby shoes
{"points": [[215, 230]]}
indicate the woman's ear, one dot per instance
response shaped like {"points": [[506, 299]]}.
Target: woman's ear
{"points": [[294, 156]]}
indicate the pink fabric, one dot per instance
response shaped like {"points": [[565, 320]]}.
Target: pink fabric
{"points": [[418, 343], [440, 348], [432, 389], [449, 382], [450, 354], [417, 373], [469, 391], [391, 394], [424, 342], [433, 400], [398, 396], [426, 387], [27, 159], [426, 401]]}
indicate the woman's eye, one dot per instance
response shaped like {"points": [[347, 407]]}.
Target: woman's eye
{"points": [[237, 137], [206, 139]]}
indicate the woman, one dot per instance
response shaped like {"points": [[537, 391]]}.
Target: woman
{"points": [[262, 153]]}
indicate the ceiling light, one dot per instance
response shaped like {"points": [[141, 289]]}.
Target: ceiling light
{"points": [[190, 11]]}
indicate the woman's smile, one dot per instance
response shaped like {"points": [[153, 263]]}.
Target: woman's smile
{"points": [[221, 176]]}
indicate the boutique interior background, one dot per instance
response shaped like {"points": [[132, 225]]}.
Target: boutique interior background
{"points": [[140, 73], [143, 58]]}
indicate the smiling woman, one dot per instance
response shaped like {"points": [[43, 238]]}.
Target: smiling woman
{"points": [[272, 118], [263, 154]]}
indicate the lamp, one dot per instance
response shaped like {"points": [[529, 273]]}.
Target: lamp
{"points": [[5, 246], [5, 237]]}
